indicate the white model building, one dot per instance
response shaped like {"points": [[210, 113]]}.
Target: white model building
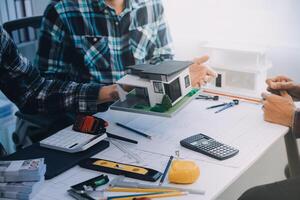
{"points": [[152, 82], [242, 70]]}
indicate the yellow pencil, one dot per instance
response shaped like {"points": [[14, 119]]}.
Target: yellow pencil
{"points": [[121, 189], [150, 195]]}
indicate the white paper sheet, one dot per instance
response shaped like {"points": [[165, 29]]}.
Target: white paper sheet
{"points": [[228, 126]]}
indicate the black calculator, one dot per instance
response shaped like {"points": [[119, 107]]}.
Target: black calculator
{"points": [[208, 146]]}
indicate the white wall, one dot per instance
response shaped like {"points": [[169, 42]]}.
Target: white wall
{"points": [[271, 23]]}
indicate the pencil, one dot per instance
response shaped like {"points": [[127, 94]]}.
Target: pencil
{"points": [[166, 170], [148, 195], [121, 138], [133, 130], [121, 189], [219, 105]]}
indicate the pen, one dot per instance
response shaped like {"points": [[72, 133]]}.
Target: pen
{"points": [[120, 183], [121, 189], [149, 195], [110, 135], [166, 171], [219, 105], [133, 130], [206, 97]]}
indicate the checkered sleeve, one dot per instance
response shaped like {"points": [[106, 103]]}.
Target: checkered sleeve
{"points": [[55, 96], [22, 83], [53, 55], [163, 43]]}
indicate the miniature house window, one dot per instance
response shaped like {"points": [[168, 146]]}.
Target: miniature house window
{"points": [[219, 80], [187, 81], [158, 88], [173, 90]]}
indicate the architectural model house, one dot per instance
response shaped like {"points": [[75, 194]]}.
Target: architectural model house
{"points": [[153, 85], [242, 70]]}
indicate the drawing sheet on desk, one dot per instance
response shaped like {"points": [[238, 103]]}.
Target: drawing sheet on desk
{"points": [[232, 127]]}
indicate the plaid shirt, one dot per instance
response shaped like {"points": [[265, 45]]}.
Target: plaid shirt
{"points": [[23, 84], [86, 41]]}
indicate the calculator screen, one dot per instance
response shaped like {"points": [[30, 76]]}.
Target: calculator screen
{"points": [[200, 142]]}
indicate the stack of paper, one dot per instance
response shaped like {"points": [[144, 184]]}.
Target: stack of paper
{"points": [[21, 179]]}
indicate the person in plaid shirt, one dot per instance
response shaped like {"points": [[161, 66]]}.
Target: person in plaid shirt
{"points": [[22, 83], [95, 40]]}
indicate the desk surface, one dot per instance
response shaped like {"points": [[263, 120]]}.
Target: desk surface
{"points": [[241, 126]]}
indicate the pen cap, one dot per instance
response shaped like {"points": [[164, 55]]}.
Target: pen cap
{"points": [[183, 172]]}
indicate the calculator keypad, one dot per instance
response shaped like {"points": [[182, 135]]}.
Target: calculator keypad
{"points": [[208, 146]]}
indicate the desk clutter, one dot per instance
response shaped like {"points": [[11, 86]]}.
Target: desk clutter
{"points": [[184, 172], [87, 131], [57, 161], [206, 145], [177, 171], [21, 179], [91, 184], [207, 97], [181, 172], [112, 167], [153, 153], [224, 106]]}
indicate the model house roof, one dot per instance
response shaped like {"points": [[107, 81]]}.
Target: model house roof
{"points": [[133, 81], [161, 71]]}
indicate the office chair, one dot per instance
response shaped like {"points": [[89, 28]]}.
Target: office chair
{"points": [[30, 25], [33, 128], [293, 167]]}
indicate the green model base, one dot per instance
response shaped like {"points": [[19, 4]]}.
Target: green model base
{"points": [[139, 105]]}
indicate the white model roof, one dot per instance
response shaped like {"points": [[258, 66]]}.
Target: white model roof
{"points": [[133, 80]]}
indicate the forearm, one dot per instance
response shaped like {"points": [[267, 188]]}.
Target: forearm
{"points": [[54, 96], [33, 93], [22, 83]]}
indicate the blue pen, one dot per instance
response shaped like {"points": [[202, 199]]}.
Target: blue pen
{"points": [[133, 130], [166, 171]]}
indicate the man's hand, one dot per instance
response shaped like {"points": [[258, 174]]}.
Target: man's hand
{"points": [[278, 109], [275, 85], [201, 74], [108, 93], [127, 88]]}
